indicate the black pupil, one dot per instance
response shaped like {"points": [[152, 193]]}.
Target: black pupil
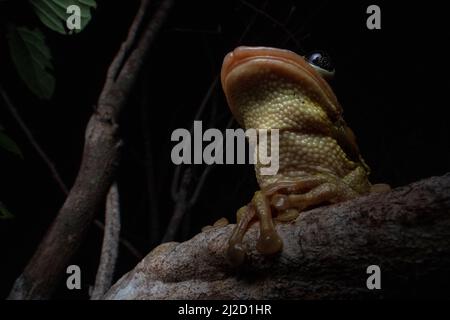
{"points": [[321, 59]]}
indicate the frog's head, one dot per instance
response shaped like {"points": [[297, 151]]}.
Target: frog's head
{"points": [[250, 74]]}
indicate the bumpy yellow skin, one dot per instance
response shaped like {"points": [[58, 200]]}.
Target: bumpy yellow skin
{"points": [[319, 161], [307, 146]]}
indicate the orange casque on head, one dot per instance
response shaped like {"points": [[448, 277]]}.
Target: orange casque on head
{"points": [[285, 62]]}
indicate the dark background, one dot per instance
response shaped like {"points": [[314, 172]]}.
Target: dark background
{"points": [[393, 84]]}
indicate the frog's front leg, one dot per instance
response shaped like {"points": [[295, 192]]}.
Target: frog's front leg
{"points": [[283, 202], [269, 242], [328, 192], [260, 207], [236, 252]]}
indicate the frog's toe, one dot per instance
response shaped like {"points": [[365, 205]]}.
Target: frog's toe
{"points": [[236, 252], [206, 228], [222, 222], [287, 215], [269, 243]]}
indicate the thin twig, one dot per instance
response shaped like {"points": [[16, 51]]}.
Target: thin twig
{"points": [[205, 173], [127, 45], [152, 198], [198, 115], [272, 19], [251, 23], [51, 166], [304, 24], [179, 186], [181, 206], [205, 100], [123, 241], [110, 246]]}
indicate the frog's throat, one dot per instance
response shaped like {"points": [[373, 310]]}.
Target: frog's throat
{"points": [[243, 62]]}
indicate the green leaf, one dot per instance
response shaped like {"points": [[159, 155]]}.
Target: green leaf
{"points": [[32, 59], [4, 213], [9, 145], [53, 13]]}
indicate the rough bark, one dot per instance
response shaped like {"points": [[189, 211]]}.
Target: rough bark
{"points": [[406, 232], [100, 158]]}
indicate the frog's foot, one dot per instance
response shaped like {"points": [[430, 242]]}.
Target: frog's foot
{"points": [[287, 215], [206, 228], [324, 193], [269, 241], [236, 252], [222, 222]]}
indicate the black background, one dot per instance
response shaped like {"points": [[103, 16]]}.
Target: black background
{"points": [[393, 84]]}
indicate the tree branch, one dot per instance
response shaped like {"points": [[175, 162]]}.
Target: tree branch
{"points": [[406, 232], [52, 167], [100, 159], [110, 246], [123, 241]]}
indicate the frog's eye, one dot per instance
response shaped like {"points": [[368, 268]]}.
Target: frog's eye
{"points": [[321, 62]]}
